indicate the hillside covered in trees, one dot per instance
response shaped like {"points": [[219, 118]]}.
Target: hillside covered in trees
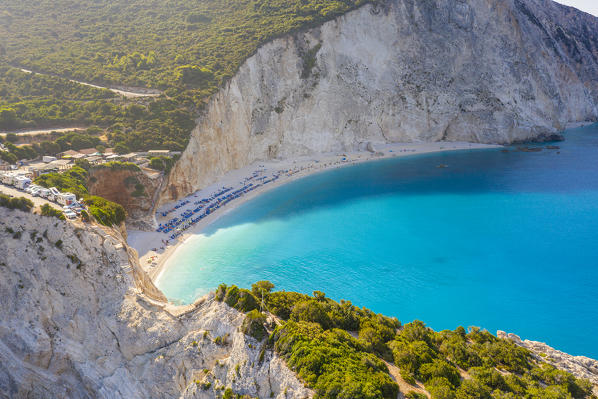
{"points": [[184, 47], [342, 351]]}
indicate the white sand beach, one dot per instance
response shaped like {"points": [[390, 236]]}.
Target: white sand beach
{"points": [[154, 248]]}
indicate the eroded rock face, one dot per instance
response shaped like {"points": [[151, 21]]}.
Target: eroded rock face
{"points": [[489, 71], [136, 191], [79, 318]]}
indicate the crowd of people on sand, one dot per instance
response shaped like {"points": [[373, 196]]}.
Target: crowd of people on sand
{"points": [[177, 225]]}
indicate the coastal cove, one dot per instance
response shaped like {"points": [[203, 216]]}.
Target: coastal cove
{"points": [[498, 240]]}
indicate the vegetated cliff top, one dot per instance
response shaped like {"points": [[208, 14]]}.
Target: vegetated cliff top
{"points": [[186, 47], [148, 42]]}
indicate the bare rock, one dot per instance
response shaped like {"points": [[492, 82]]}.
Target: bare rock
{"points": [[81, 319]]}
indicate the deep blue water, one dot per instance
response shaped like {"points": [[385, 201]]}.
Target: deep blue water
{"points": [[498, 240]]}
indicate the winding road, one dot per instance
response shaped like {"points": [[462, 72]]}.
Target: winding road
{"points": [[128, 92]]}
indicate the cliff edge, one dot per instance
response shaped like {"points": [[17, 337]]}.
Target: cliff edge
{"points": [[79, 319], [488, 71]]}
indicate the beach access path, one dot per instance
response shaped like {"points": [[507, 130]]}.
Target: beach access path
{"points": [[155, 248]]}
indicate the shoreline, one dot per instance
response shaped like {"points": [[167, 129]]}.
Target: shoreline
{"points": [[154, 254]]}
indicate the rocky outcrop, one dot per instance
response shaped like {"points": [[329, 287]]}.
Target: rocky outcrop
{"points": [[489, 71], [136, 190], [79, 319], [579, 366]]}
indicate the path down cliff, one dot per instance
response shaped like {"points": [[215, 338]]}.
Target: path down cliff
{"points": [[489, 71]]}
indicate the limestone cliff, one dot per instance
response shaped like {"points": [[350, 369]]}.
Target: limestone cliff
{"points": [[80, 319], [490, 71]]}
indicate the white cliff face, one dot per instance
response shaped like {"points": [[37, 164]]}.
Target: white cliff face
{"points": [[489, 71], [78, 318]]}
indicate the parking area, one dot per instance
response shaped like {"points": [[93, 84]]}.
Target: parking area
{"points": [[65, 202], [37, 201]]}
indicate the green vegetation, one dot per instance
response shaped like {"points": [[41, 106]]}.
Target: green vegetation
{"points": [[117, 165], [238, 298], [32, 100], [47, 210], [37, 101], [67, 141], [106, 212], [339, 351], [181, 44], [309, 61], [74, 180], [21, 203], [253, 325], [186, 48], [163, 163]]}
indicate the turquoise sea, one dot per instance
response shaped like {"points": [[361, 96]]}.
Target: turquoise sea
{"points": [[498, 240]]}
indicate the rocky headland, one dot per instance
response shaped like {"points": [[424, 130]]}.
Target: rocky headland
{"points": [[80, 319]]}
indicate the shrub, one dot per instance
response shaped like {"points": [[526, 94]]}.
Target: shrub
{"points": [[139, 190], [261, 288], [118, 165], [156, 163], [47, 210], [332, 362], [282, 303], [440, 368], [440, 388], [311, 311], [409, 356], [105, 212], [472, 389], [21, 203], [253, 325], [238, 298]]}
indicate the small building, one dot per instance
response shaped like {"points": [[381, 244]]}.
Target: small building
{"points": [[94, 160], [157, 153], [89, 151], [62, 164], [69, 154], [40, 168], [44, 192], [108, 151], [48, 158], [130, 156]]}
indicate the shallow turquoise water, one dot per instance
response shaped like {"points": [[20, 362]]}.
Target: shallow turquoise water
{"points": [[498, 240]]}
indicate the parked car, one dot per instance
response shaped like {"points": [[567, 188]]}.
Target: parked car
{"points": [[70, 214]]}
